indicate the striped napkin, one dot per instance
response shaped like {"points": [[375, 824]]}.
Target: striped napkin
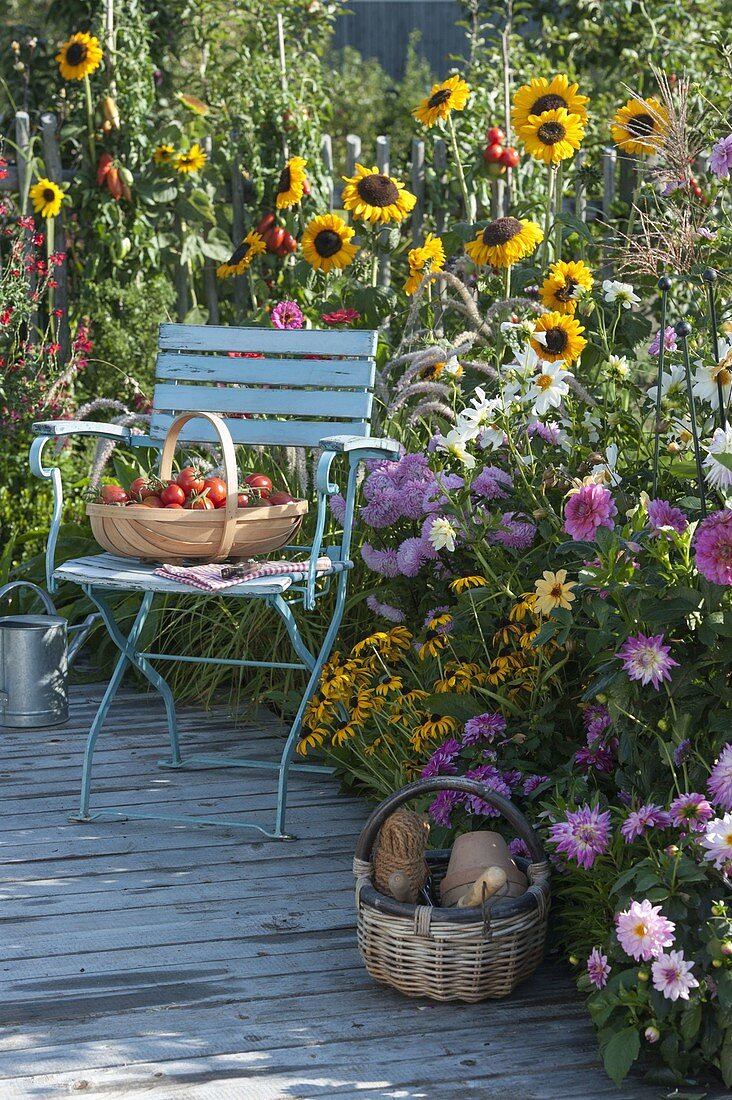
{"points": [[208, 577]]}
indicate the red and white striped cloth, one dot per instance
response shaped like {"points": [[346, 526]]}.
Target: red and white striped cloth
{"points": [[208, 577]]}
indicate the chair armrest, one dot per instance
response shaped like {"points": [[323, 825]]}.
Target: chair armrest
{"points": [[352, 444], [58, 428]]}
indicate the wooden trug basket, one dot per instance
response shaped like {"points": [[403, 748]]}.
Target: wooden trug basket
{"points": [[451, 954], [173, 535]]}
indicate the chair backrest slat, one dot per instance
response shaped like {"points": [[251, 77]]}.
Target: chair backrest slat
{"points": [[321, 381]]}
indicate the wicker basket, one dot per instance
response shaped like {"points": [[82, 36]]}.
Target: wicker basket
{"points": [[451, 954], [174, 536]]}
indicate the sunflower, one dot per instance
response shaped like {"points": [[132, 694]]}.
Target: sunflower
{"points": [[79, 57], [462, 584], [559, 289], [451, 95], [504, 242], [374, 197], [640, 126], [242, 256], [46, 197], [553, 135], [326, 243], [163, 154], [558, 336], [192, 161], [542, 95], [430, 257], [292, 183]]}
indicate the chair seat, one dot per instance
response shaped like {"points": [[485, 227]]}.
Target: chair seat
{"points": [[110, 571]]}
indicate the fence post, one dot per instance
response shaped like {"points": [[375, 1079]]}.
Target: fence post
{"points": [[382, 163], [326, 153], [417, 189], [580, 193], [237, 225], [628, 175], [210, 284], [52, 160]]}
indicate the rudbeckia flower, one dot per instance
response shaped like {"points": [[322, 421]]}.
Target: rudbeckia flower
{"points": [[376, 198], [504, 242], [47, 198], [79, 57], [640, 126], [451, 95], [326, 243], [292, 184]]}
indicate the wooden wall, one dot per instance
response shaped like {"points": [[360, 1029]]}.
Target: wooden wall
{"points": [[381, 29]]}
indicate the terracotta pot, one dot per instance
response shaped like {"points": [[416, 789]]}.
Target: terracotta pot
{"points": [[471, 855]]}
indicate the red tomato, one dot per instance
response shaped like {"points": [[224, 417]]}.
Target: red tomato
{"points": [[511, 157], [261, 483], [280, 497], [176, 505], [173, 494], [493, 153], [274, 238], [217, 491], [200, 504], [137, 486], [265, 223], [152, 501], [495, 136], [190, 480], [242, 500], [113, 494]]}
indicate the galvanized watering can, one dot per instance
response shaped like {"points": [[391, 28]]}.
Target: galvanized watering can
{"points": [[34, 660]]}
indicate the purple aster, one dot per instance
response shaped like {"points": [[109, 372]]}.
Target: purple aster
{"points": [[380, 561], [587, 508], [441, 808], [412, 496], [720, 780], [647, 817], [713, 544], [338, 507], [681, 752], [720, 162], [647, 659], [532, 782], [442, 761], [518, 847], [516, 534], [662, 514], [382, 510], [435, 498], [385, 610], [490, 777], [411, 556], [287, 315], [598, 969], [415, 465], [669, 341], [583, 835], [597, 719], [707, 234], [484, 727], [378, 482], [691, 810], [492, 483]]}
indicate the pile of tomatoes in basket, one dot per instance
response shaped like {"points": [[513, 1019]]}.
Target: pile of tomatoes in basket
{"points": [[193, 490]]}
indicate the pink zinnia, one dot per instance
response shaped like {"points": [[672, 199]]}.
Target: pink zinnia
{"points": [[720, 162], [713, 544], [662, 514], [583, 835], [647, 659], [647, 817], [598, 969], [691, 810], [287, 315], [643, 931], [720, 781], [588, 508], [672, 976]]}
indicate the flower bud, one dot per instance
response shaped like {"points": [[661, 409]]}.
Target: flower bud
{"points": [[642, 975], [673, 448], [652, 1034], [573, 960], [726, 948], [662, 725], [601, 697], [716, 963], [672, 850]]}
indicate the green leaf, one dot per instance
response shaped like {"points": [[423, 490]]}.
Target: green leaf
{"points": [[691, 1022], [725, 1057], [451, 705], [620, 1053], [576, 225], [724, 460]]}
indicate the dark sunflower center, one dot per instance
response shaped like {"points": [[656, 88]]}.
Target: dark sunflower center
{"points": [[284, 182], [565, 293], [49, 194], [556, 340], [501, 231], [551, 132], [439, 98], [641, 125], [327, 243], [377, 190], [549, 102], [76, 53]]}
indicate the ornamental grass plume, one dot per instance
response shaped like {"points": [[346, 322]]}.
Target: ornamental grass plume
{"points": [[643, 931], [583, 835]]}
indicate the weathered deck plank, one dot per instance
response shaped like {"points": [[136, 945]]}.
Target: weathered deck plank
{"points": [[209, 963]]}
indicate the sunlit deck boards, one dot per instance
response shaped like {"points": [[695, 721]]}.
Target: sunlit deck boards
{"points": [[143, 958]]}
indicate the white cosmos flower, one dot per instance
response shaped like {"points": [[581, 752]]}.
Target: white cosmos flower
{"points": [[605, 473], [549, 387], [673, 383], [706, 375], [525, 365], [621, 294], [455, 443], [718, 475], [442, 534]]}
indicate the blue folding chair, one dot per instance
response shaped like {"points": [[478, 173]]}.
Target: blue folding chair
{"points": [[305, 389]]}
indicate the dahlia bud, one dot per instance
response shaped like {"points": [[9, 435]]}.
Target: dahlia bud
{"points": [[672, 850], [652, 1034], [601, 697], [726, 947], [662, 725], [573, 960], [642, 975], [673, 447], [716, 963]]}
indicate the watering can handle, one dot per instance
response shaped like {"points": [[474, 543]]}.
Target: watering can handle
{"points": [[43, 596]]}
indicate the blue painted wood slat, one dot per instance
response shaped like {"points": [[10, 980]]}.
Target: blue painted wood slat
{"points": [[330, 374], [358, 343], [275, 433], [346, 404]]}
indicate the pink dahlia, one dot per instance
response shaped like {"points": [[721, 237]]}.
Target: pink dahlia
{"points": [[647, 659], [588, 508], [643, 931], [672, 976], [287, 315], [662, 514], [713, 543], [669, 341], [484, 727], [720, 162], [597, 968], [720, 780], [691, 810], [583, 835], [647, 817]]}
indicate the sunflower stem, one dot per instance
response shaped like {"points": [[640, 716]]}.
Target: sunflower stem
{"points": [[558, 200], [469, 213], [548, 214], [659, 382], [507, 283], [90, 120], [684, 337]]}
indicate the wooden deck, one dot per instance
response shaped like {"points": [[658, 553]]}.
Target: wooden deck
{"points": [[194, 961]]}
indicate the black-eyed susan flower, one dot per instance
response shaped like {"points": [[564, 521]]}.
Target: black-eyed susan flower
{"points": [[326, 243], [164, 154], [504, 242], [558, 336], [79, 57], [242, 256], [428, 257], [451, 95], [435, 727], [373, 197], [640, 126], [292, 184], [541, 95], [313, 739], [192, 161], [47, 198], [564, 284], [553, 135], [462, 584]]}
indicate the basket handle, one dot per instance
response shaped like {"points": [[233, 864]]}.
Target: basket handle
{"points": [[228, 527], [507, 809]]}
